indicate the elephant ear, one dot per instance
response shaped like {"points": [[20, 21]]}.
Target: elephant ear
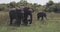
{"points": [[30, 10], [22, 11], [21, 7], [12, 9]]}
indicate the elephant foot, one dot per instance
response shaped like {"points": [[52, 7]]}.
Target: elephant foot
{"points": [[25, 24], [10, 24], [30, 23], [17, 25]]}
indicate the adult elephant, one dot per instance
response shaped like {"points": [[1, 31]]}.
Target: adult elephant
{"points": [[15, 13], [41, 15], [27, 12]]}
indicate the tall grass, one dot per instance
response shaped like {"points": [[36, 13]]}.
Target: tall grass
{"points": [[3, 18]]}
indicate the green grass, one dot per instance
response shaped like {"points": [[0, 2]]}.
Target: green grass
{"points": [[36, 27], [50, 25]]}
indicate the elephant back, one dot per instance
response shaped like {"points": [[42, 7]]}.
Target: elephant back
{"points": [[12, 9]]}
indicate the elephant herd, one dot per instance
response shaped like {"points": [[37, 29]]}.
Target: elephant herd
{"points": [[21, 15]]}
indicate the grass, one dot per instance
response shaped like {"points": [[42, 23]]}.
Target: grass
{"points": [[50, 25]]}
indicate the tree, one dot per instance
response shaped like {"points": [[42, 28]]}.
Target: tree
{"points": [[49, 6], [12, 4], [50, 3]]}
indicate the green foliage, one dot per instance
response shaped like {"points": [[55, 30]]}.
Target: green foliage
{"points": [[49, 3], [52, 7], [4, 7], [12, 4], [49, 7]]}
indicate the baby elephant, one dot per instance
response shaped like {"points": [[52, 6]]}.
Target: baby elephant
{"points": [[41, 15]]}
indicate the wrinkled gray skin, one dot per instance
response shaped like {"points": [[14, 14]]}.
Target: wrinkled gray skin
{"points": [[15, 13], [18, 14], [27, 12]]}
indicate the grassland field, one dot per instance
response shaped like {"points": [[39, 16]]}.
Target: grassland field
{"points": [[50, 25]]}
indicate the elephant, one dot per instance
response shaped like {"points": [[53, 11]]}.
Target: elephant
{"points": [[28, 12], [20, 14], [41, 15], [15, 13]]}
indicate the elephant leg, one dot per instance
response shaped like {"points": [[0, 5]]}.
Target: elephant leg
{"points": [[30, 19], [18, 22], [38, 17], [11, 20], [22, 18], [25, 20], [41, 18], [45, 17]]}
